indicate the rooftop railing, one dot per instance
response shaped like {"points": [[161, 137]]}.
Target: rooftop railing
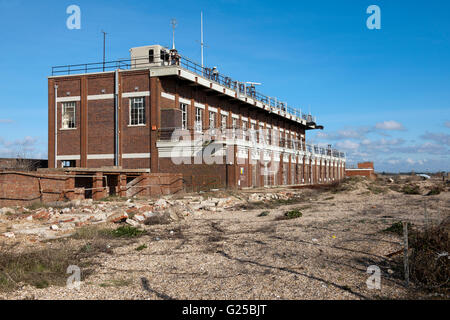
{"points": [[242, 89], [257, 138]]}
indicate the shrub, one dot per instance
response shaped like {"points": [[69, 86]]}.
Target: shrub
{"points": [[397, 228], [411, 189], [292, 214], [127, 232], [429, 262]]}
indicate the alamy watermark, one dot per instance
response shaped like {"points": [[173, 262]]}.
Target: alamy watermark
{"points": [[374, 20], [74, 20]]}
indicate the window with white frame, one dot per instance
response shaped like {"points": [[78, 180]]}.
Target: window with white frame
{"points": [[137, 111], [68, 115], [224, 123], [198, 119], [184, 115], [212, 120], [244, 130], [261, 133], [234, 127], [253, 133]]}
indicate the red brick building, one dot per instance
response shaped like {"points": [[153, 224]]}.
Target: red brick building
{"points": [[365, 169], [162, 112]]}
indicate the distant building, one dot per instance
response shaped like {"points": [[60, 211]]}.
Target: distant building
{"points": [[365, 169]]}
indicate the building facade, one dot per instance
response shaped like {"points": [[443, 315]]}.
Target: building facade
{"points": [[162, 112]]}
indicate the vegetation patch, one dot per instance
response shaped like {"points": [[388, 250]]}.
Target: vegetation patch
{"points": [[396, 228], [434, 191], [127, 232], [429, 261], [292, 214], [264, 214], [141, 247], [41, 268], [410, 189]]}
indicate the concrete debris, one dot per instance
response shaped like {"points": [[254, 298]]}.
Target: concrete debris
{"points": [[9, 235], [62, 218], [132, 223]]}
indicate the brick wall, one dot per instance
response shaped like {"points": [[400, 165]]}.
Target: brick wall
{"points": [[20, 188]]}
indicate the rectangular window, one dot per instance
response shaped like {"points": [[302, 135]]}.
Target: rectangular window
{"points": [[253, 133], [244, 130], [68, 115], [224, 124], [137, 111], [151, 56], [261, 133], [184, 115], [234, 127], [212, 120], [198, 119], [68, 163]]}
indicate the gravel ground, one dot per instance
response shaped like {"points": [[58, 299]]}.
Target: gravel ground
{"points": [[236, 254]]}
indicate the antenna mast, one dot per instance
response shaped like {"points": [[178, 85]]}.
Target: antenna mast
{"points": [[104, 44], [174, 25], [201, 34]]}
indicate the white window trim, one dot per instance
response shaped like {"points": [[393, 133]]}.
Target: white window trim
{"points": [[184, 127], [74, 115], [129, 113], [185, 101]]}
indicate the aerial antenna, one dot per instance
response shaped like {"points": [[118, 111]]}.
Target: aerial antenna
{"points": [[104, 45], [174, 24], [201, 34]]}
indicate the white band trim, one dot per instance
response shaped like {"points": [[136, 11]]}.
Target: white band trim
{"points": [[199, 105], [136, 94], [185, 101], [100, 156], [68, 99], [73, 157], [168, 96], [136, 155], [100, 97]]}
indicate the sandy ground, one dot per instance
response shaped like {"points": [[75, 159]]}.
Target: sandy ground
{"points": [[238, 255]]}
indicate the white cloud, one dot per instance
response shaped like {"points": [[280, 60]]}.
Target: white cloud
{"points": [[25, 148], [390, 126], [347, 145], [441, 138]]}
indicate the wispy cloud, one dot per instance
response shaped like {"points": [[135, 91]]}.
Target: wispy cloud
{"points": [[447, 124], [441, 138], [390, 126], [6, 121], [25, 148]]}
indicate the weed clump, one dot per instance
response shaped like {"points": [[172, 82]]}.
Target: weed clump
{"points": [[429, 261], [127, 232], [411, 189], [396, 228], [292, 214], [264, 214]]}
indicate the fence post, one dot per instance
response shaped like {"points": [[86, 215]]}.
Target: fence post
{"points": [[405, 252]]}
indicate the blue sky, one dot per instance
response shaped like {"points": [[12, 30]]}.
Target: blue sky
{"points": [[382, 95]]}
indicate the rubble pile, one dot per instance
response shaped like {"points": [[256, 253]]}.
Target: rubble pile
{"points": [[62, 219]]}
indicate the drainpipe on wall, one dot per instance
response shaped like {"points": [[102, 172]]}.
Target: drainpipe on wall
{"points": [[116, 119], [56, 126]]}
